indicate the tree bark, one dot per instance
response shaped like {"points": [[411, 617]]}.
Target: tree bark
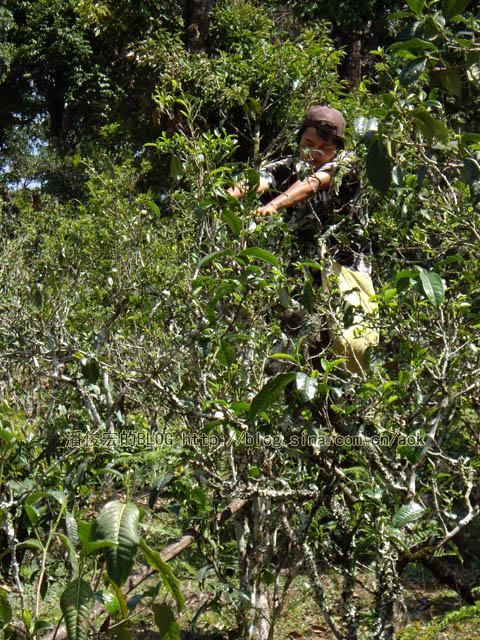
{"points": [[449, 576], [386, 592], [196, 19], [354, 64], [253, 617]]}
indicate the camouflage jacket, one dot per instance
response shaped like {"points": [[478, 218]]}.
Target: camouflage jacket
{"points": [[334, 217]]}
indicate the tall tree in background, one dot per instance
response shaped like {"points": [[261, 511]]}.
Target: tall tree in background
{"points": [[357, 26], [120, 320], [196, 24], [71, 63]]}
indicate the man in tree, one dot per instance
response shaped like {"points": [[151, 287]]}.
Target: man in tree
{"points": [[331, 220]]}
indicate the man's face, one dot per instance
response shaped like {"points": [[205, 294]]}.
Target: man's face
{"points": [[317, 146]]}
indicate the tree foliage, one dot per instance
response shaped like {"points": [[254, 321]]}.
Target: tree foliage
{"points": [[155, 335]]}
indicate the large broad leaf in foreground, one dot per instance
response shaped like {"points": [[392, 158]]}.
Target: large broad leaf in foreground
{"points": [[76, 603], [119, 522]]}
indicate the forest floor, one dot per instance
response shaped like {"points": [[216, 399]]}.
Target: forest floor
{"points": [[428, 611]]}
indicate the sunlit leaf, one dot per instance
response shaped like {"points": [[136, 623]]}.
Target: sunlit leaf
{"points": [[72, 527], [406, 514], [473, 69], [154, 559], [283, 356], [416, 6], [306, 386], [261, 254], [109, 601], [118, 522], [433, 287], [364, 126]]}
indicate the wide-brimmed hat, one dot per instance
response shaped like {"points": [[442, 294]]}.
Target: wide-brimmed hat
{"points": [[318, 114]]}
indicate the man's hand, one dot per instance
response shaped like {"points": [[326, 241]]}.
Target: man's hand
{"points": [[266, 210]]}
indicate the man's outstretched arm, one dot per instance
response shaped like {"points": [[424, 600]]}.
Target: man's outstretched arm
{"points": [[298, 192]]}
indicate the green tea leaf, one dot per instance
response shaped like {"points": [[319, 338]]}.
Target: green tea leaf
{"points": [[414, 44], [76, 604], [5, 609], [452, 81], [165, 621], [469, 138], [85, 531], [416, 6], [72, 527], [232, 221], [261, 254], [407, 513], [470, 171], [90, 370], [269, 393], [72, 554], [403, 279], [118, 522], [226, 353], [284, 297], [154, 559], [412, 71], [308, 296], [96, 545], [453, 8], [176, 168], [364, 126], [429, 126], [109, 601], [283, 356], [433, 287], [31, 543], [379, 166], [215, 255]]}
